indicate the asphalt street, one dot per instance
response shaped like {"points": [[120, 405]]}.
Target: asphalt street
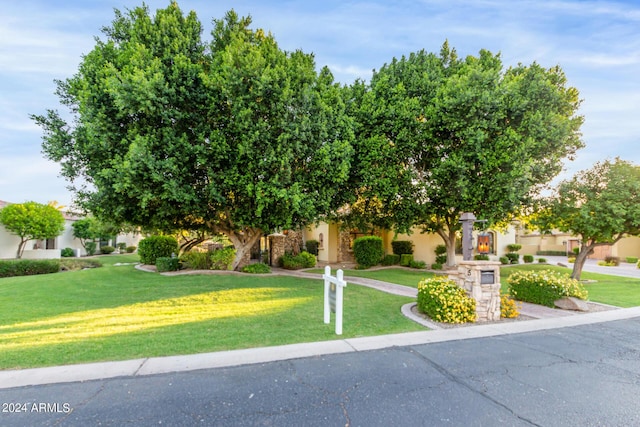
{"points": [[576, 376]]}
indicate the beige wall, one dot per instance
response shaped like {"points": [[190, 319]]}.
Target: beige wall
{"points": [[423, 244], [627, 247]]}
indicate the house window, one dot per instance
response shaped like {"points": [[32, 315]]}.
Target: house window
{"points": [[50, 244]]}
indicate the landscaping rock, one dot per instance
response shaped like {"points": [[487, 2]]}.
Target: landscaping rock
{"points": [[571, 303]]}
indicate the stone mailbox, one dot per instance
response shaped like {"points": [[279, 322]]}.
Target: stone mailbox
{"points": [[481, 281]]}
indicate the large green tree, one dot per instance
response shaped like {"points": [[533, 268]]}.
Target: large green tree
{"points": [[438, 135], [234, 136], [600, 205], [31, 221]]}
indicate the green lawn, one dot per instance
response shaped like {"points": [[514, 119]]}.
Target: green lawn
{"points": [[118, 313], [613, 290], [399, 276]]}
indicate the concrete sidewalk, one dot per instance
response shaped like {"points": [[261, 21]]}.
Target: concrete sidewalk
{"points": [[544, 318]]}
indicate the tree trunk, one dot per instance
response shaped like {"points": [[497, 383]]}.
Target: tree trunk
{"points": [[449, 238], [243, 241], [581, 258], [21, 246]]}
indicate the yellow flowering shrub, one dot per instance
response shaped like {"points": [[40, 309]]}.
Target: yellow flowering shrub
{"points": [[544, 287], [509, 308], [443, 300]]}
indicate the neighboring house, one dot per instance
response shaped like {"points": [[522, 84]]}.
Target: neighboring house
{"points": [[50, 248], [335, 245], [535, 242]]}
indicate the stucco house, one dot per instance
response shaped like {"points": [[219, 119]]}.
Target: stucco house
{"points": [[534, 242], [335, 245], [50, 248]]}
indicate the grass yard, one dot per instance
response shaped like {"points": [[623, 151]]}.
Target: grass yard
{"points": [[399, 276], [613, 290], [118, 313]]}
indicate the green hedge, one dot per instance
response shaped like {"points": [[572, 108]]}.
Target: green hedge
{"points": [[527, 259], [406, 259], [552, 253], [400, 247], [544, 287], [514, 258], [222, 259], [28, 267], [257, 268], [391, 259], [196, 260], [295, 262], [368, 250], [631, 259], [167, 264], [157, 246], [106, 250], [67, 253], [312, 246]]}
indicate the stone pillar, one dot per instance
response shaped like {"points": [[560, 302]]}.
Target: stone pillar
{"points": [[467, 219], [481, 281], [276, 248]]}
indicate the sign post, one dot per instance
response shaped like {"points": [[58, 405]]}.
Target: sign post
{"points": [[333, 296]]}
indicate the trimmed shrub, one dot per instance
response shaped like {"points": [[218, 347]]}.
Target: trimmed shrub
{"points": [[67, 253], [106, 250], [405, 259], [542, 260], [508, 307], [504, 260], [481, 257], [440, 250], [400, 247], [443, 300], [575, 251], [122, 246], [436, 266], [257, 268], [167, 264], [90, 247], [312, 246], [368, 250], [417, 264], [157, 246], [631, 259], [514, 247], [28, 267], [551, 253], [196, 260], [514, 258], [131, 249], [544, 287], [612, 260], [302, 260], [527, 259], [222, 259], [391, 259]]}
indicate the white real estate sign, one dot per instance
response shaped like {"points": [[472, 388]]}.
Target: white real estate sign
{"points": [[333, 291]]}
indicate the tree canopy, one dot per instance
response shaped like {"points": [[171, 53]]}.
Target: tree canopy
{"points": [[234, 136], [600, 205], [439, 135], [31, 221]]}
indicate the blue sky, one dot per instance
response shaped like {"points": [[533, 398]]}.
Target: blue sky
{"points": [[596, 43]]}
